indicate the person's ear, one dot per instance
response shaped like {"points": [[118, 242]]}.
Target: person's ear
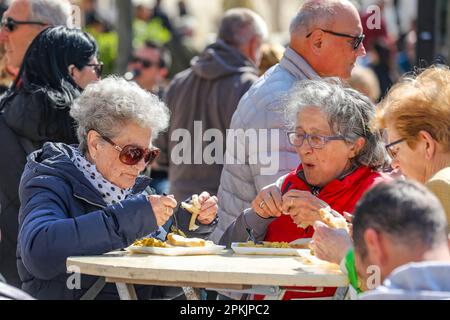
{"points": [[93, 144], [252, 49], [375, 249], [71, 69], [357, 146], [448, 238], [163, 72], [429, 144], [316, 41]]}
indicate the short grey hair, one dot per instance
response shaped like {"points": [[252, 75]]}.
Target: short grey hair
{"points": [[106, 105], [315, 13], [53, 12], [240, 25], [349, 114]]}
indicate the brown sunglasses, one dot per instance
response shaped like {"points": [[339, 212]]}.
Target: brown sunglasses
{"points": [[131, 155]]}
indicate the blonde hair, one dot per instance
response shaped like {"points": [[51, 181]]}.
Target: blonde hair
{"points": [[365, 81], [271, 55], [418, 103]]}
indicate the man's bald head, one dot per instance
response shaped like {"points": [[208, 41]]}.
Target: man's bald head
{"points": [[328, 34], [320, 14]]}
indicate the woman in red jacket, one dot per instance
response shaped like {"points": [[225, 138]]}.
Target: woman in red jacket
{"points": [[340, 158]]}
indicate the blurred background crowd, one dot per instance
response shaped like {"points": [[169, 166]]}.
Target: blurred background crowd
{"points": [[223, 64], [182, 29]]}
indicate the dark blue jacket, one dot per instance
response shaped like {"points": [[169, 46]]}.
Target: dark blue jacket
{"points": [[63, 215]]}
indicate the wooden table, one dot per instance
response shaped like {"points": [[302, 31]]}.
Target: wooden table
{"points": [[227, 271]]}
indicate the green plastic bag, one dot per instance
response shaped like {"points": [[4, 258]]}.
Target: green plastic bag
{"points": [[351, 270]]}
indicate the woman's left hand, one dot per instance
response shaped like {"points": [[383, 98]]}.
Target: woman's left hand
{"points": [[208, 211], [302, 206], [330, 244]]}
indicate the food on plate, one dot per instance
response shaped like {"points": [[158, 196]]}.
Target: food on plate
{"points": [[173, 240], [299, 245], [276, 245], [177, 240], [149, 242], [193, 207]]}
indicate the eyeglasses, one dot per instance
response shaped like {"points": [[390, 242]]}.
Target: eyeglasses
{"points": [[314, 140], [131, 155], [391, 151], [10, 24], [98, 68], [356, 40], [145, 62]]}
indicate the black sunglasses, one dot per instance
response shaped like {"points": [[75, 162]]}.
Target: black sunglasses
{"points": [[131, 155], [356, 40], [10, 24], [145, 63], [98, 68]]}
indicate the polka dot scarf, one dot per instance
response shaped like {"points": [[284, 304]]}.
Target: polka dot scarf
{"points": [[111, 193]]}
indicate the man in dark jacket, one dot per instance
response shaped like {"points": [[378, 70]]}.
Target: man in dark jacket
{"points": [[205, 97]]}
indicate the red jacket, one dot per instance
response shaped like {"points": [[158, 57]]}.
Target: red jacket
{"points": [[341, 195]]}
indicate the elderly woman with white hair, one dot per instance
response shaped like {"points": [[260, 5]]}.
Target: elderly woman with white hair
{"points": [[90, 199], [340, 159]]}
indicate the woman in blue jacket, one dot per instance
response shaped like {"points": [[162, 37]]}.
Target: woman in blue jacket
{"points": [[89, 199]]}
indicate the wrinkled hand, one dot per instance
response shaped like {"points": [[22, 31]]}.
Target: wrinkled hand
{"points": [[330, 244], [162, 207], [302, 206], [272, 205], [208, 211]]}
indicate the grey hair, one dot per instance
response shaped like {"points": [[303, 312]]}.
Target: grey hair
{"points": [[240, 25], [105, 106], [314, 13], [53, 12], [349, 114]]}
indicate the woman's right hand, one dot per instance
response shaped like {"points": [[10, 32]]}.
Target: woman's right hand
{"points": [[162, 207], [268, 203]]}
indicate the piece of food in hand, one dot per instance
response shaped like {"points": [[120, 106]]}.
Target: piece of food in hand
{"points": [[193, 207], [177, 240], [333, 221], [149, 242]]}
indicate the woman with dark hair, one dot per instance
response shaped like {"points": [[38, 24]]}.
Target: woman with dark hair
{"points": [[58, 64]]}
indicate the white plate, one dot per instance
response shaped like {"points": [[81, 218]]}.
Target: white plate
{"points": [[263, 251], [177, 251]]}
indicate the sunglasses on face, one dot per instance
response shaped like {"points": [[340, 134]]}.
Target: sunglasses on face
{"points": [[10, 24], [132, 155], [98, 68], [356, 40], [145, 62]]}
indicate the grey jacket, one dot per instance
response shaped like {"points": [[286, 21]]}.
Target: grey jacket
{"points": [[260, 108], [236, 232], [209, 93], [414, 281]]}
